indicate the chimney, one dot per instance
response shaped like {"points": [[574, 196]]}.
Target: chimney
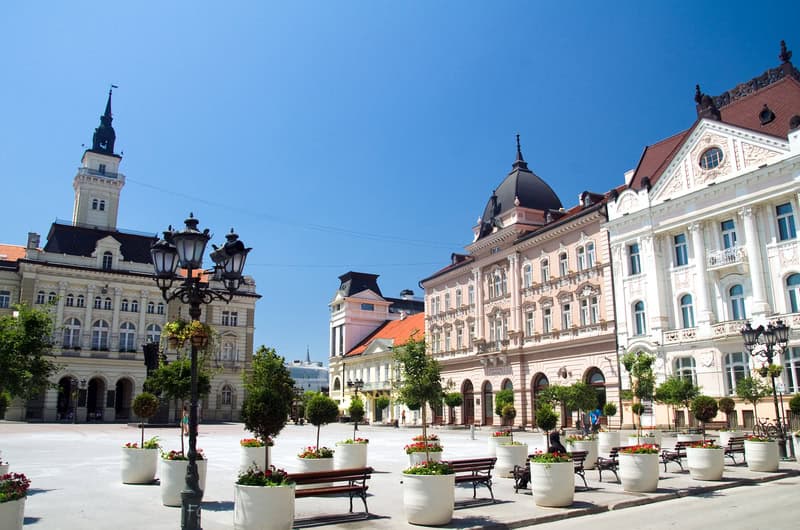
{"points": [[33, 241]]}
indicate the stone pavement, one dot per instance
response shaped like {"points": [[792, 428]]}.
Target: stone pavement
{"points": [[76, 483]]}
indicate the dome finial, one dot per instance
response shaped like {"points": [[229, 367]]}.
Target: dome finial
{"points": [[519, 163]]}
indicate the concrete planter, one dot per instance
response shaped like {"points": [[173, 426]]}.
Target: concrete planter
{"points": [[645, 438], [690, 437], [796, 442], [638, 472], [429, 499], [761, 456], [348, 456], [605, 441], [3, 469], [553, 484], [253, 456], [263, 507], [417, 458], [138, 466], [12, 514], [705, 464], [590, 446], [495, 440], [725, 436], [173, 479], [309, 465], [509, 456]]}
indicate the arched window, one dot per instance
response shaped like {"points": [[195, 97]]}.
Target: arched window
{"points": [[793, 290], [459, 299], [545, 270], [337, 385], [69, 301], [590, 257], [736, 294], [100, 335], [596, 379], [135, 306], [687, 311], [226, 395], [580, 254], [151, 308], [540, 382], [107, 304], [108, 260], [735, 368], [5, 299], [95, 203], [563, 264], [228, 351], [51, 297], [508, 385], [72, 333], [160, 308], [127, 337], [685, 368], [123, 306], [40, 297], [791, 370], [154, 333], [80, 301], [488, 404], [527, 275], [639, 322], [98, 302]]}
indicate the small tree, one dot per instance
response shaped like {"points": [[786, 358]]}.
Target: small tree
{"points": [[677, 391], [637, 409], [145, 406], [546, 419], [727, 405], [704, 408], [581, 397], [610, 409], [421, 382], [794, 404], [640, 367], [356, 412], [752, 390], [554, 394], [25, 358], [321, 410], [269, 392], [508, 413], [502, 398], [381, 402], [452, 400]]}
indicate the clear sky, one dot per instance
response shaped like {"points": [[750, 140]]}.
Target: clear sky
{"points": [[344, 135]]}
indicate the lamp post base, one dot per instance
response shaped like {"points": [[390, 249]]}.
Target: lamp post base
{"points": [[190, 512]]}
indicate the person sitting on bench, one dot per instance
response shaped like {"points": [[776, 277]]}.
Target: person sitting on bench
{"points": [[555, 443]]}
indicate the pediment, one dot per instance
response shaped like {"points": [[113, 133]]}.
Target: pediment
{"points": [[379, 346], [106, 244], [367, 294], [742, 151]]}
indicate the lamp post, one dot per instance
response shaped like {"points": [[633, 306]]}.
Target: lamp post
{"points": [[356, 385], [769, 337], [74, 384], [185, 248]]}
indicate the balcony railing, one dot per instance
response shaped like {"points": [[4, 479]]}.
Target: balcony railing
{"points": [[96, 173], [725, 257]]}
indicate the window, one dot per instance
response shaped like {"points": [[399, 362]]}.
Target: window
{"points": [[51, 297], [447, 301], [566, 316], [108, 259], [5, 299], [711, 158], [681, 251], [100, 335], [368, 307], [95, 203], [685, 368], [594, 303], [736, 294], [107, 304], [101, 168], [151, 308], [530, 318], [545, 271], [160, 308], [580, 254], [69, 301], [633, 259], [127, 337], [80, 301], [98, 302], [230, 318], [497, 286], [734, 369], [639, 323], [497, 330], [123, 306], [134, 306], [786, 228], [459, 337], [687, 311], [447, 340], [471, 294], [527, 275], [791, 370], [153, 333], [585, 313], [226, 395], [590, 257], [793, 290], [229, 351], [547, 320], [102, 205], [40, 297], [459, 298], [72, 333], [728, 234], [563, 264]]}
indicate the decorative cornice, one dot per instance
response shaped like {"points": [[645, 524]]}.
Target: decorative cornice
{"points": [[773, 75]]}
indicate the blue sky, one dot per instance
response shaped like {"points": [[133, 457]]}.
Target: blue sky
{"points": [[343, 135]]}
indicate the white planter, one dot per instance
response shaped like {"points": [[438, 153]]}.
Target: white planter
{"points": [[690, 437], [310, 465], [415, 459], [12, 514], [263, 507], [139, 466], [509, 456], [796, 442], [705, 464], [249, 456], [761, 456], [590, 446], [429, 499], [494, 440], [725, 436], [605, 441], [172, 474], [348, 456], [640, 440], [638, 472], [553, 485], [3, 469]]}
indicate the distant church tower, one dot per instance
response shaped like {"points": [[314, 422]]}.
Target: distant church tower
{"points": [[98, 182]]}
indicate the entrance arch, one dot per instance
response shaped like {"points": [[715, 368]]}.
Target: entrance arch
{"points": [[123, 398], [488, 403], [65, 404], [468, 406], [539, 383], [595, 378], [95, 399]]}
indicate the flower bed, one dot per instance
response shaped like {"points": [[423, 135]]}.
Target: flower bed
{"points": [[255, 442], [431, 438], [354, 441], [271, 477], [314, 452]]}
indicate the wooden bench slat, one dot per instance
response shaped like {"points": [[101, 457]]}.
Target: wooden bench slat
{"points": [[356, 479], [474, 470]]}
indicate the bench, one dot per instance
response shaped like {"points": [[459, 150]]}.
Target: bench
{"points": [[608, 464], [715, 425], [675, 455], [735, 445], [353, 483], [522, 474], [477, 471]]}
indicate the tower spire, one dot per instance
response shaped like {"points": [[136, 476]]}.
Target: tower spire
{"points": [[104, 135], [308, 355], [519, 163]]}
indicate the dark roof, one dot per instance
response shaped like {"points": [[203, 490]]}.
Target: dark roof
{"points": [[409, 305], [82, 241], [355, 282]]}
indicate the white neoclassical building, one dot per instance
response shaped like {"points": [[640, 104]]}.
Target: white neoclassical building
{"points": [[704, 237], [106, 305]]}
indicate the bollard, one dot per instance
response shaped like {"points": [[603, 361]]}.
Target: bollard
{"points": [[472, 431]]}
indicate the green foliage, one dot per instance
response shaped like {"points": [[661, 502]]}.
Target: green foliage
{"points": [[320, 410], [637, 408], [610, 409], [677, 391], [501, 399], [509, 412], [704, 408], [356, 409], [626, 394], [726, 405], [381, 402], [752, 390], [546, 417], [174, 380], [581, 396], [269, 392], [794, 404], [145, 405], [453, 399], [554, 394], [640, 366], [5, 401], [253, 476], [25, 367], [430, 468]]}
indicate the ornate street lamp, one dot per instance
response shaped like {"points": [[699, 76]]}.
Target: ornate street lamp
{"points": [[769, 337], [185, 249]]}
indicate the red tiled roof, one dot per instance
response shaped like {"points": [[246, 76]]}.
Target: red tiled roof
{"points": [[11, 252], [399, 330], [655, 156]]}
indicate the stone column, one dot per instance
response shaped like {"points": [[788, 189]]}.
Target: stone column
{"points": [[754, 260], [704, 314], [478, 279], [652, 269], [513, 265], [141, 332], [62, 290], [113, 337], [86, 333]]}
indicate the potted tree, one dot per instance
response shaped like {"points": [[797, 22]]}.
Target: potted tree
{"points": [[13, 492], [139, 462], [352, 452], [728, 406], [501, 399], [552, 477], [428, 488], [608, 438], [640, 367], [638, 468], [381, 402], [706, 460], [761, 454], [452, 400], [424, 448], [320, 410], [263, 496]]}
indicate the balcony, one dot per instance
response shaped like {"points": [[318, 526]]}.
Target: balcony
{"points": [[95, 173], [679, 335], [729, 328], [727, 257]]}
